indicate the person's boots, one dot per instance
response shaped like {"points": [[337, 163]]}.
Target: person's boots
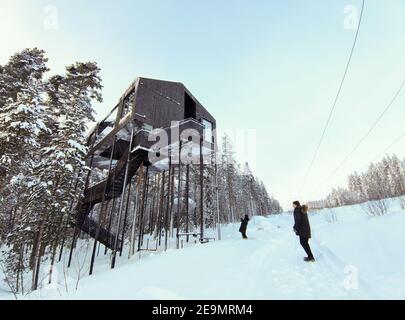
{"points": [[309, 259]]}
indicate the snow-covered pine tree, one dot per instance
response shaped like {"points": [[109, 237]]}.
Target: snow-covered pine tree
{"points": [[210, 213], [21, 111], [382, 180], [248, 185], [240, 192], [23, 71], [356, 187], [62, 171], [269, 204], [229, 170], [396, 175], [22, 125]]}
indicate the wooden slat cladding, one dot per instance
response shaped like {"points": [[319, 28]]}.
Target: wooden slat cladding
{"points": [[157, 103], [163, 101]]}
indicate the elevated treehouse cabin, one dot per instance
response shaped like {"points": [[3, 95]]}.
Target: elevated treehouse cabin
{"points": [[131, 141]]}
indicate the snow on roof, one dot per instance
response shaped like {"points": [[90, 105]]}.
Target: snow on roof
{"points": [[90, 126]]}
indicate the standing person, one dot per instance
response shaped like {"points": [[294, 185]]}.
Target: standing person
{"points": [[243, 226], [302, 228]]}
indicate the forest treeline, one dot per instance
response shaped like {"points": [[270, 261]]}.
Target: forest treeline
{"points": [[43, 125], [382, 180]]}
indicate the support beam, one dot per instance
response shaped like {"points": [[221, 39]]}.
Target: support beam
{"points": [[103, 211], [160, 215], [125, 217], [201, 191], [114, 254], [145, 183], [77, 228], [178, 198], [168, 200], [145, 206], [217, 196], [132, 242], [187, 199]]}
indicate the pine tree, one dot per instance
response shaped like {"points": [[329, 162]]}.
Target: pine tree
{"points": [[248, 186], [23, 72], [22, 128], [229, 172], [209, 193], [240, 192], [42, 133], [63, 171], [21, 112]]}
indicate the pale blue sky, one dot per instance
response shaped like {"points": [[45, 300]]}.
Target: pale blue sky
{"points": [[273, 66]]}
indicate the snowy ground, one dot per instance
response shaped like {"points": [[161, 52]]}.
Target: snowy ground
{"points": [[358, 257]]}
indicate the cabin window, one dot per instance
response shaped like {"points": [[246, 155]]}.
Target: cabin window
{"points": [[147, 127], [207, 130], [189, 107], [128, 104]]}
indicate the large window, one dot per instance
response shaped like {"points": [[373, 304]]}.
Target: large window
{"points": [[207, 130], [189, 107]]}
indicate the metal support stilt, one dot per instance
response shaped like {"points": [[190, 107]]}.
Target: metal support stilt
{"points": [[201, 192], [187, 199], [103, 211], [217, 195], [168, 202], [125, 218], [162, 194], [178, 197], [142, 209], [132, 243], [114, 254]]}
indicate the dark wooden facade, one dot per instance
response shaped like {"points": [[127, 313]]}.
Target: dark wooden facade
{"points": [[120, 144], [149, 104], [163, 101]]}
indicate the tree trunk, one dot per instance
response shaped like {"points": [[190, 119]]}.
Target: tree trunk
{"points": [[37, 256]]}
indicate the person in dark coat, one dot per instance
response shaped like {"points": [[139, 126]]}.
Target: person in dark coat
{"points": [[302, 228], [243, 226]]}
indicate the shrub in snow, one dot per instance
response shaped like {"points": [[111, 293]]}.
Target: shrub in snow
{"points": [[330, 216], [402, 202], [376, 208]]}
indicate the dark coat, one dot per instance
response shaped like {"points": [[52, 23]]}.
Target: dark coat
{"points": [[243, 225], [301, 223]]}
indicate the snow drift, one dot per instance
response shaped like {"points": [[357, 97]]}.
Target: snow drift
{"points": [[358, 257]]}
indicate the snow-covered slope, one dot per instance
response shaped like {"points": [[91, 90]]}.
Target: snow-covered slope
{"points": [[358, 257]]}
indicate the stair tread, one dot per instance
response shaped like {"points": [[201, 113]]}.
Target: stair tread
{"points": [[94, 195]]}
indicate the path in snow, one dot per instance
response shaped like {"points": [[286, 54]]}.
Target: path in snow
{"points": [[268, 265]]}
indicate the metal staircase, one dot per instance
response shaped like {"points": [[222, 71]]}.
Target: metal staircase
{"points": [[105, 190]]}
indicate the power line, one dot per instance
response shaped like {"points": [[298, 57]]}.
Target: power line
{"points": [[400, 137], [374, 125], [336, 98], [389, 147], [376, 157], [385, 150]]}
